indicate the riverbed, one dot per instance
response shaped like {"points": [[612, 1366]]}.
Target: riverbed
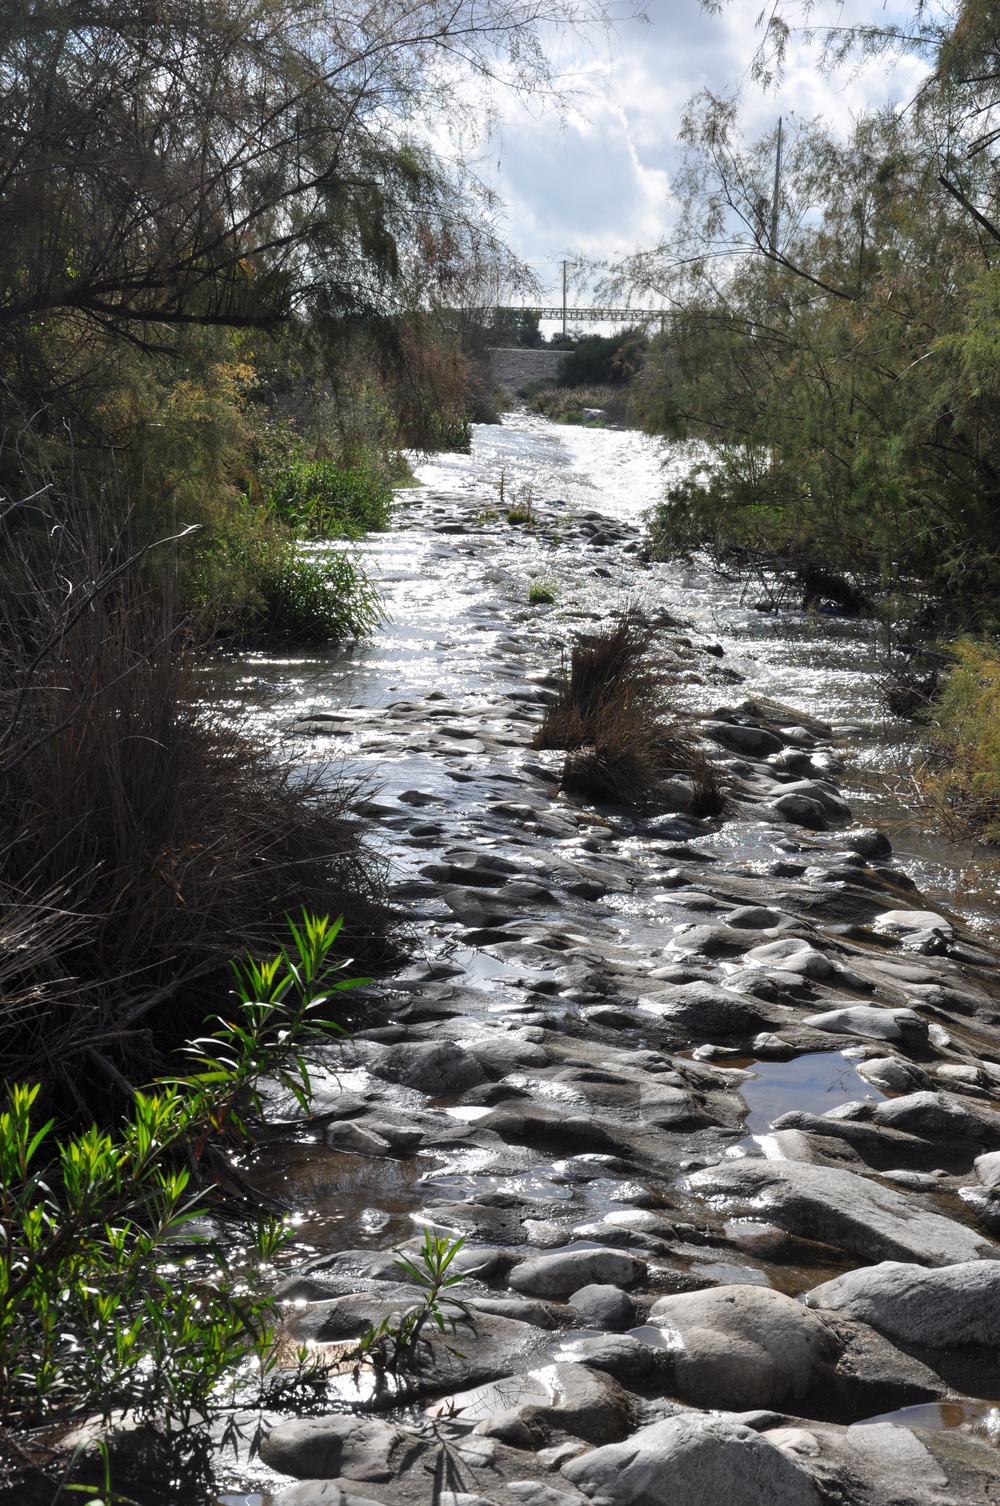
{"points": [[633, 1059]]}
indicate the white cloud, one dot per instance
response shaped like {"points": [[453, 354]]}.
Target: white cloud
{"points": [[598, 180]]}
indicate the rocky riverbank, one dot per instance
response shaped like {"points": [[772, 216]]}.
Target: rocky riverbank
{"points": [[712, 1103]]}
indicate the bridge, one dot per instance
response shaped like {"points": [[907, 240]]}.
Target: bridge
{"points": [[590, 315]]}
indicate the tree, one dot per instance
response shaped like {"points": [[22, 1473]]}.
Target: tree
{"points": [[221, 162], [843, 368]]}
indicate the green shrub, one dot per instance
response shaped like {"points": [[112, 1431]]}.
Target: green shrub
{"points": [[317, 597], [567, 405], [396, 1346], [253, 580], [324, 499], [109, 1302], [961, 774], [542, 592], [608, 360]]}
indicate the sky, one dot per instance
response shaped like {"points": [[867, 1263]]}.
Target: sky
{"points": [[598, 181]]}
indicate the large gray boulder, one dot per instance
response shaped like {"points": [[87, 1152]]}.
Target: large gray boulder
{"points": [[435, 1067], [874, 1465], [566, 1271], [834, 806], [867, 1020], [939, 1116], [707, 1009], [843, 1209], [604, 1306], [743, 737], [356, 1448], [740, 1347], [692, 1460], [948, 1308]]}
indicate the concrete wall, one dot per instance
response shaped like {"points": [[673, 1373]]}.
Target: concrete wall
{"points": [[512, 367]]}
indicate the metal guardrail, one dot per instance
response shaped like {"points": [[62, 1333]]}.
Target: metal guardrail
{"points": [[583, 315]]}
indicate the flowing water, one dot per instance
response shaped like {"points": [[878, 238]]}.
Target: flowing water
{"points": [[450, 613]]}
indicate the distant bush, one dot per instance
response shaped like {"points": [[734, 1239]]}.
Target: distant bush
{"points": [[603, 360], [569, 404], [542, 592]]}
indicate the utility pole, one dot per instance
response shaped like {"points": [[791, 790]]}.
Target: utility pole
{"points": [[777, 189], [564, 300]]}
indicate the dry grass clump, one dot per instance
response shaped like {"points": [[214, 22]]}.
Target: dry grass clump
{"points": [[623, 741], [143, 843]]}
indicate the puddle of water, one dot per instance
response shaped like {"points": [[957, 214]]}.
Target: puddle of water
{"points": [[342, 1200], [814, 1083], [975, 1417]]}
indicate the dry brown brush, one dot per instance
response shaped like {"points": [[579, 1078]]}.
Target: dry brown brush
{"points": [[623, 740], [143, 841]]}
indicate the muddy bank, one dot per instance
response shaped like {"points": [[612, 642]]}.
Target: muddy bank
{"points": [[714, 1104]]}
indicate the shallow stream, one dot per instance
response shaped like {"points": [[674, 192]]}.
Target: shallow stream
{"points": [[460, 635]]}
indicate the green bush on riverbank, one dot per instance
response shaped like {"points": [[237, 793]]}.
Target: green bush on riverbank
{"points": [[961, 775], [110, 1304]]}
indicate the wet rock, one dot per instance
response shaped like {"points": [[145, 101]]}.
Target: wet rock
{"points": [[938, 1116], [949, 1308], [344, 1134], [691, 1460], [878, 1465], [772, 1047], [558, 1275], [704, 1008], [323, 1493], [547, 1130], [356, 1448], [622, 1355], [743, 1346], [434, 1067], [868, 842], [741, 737], [584, 1402], [713, 941], [756, 918], [834, 806], [988, 1168], [868, 1020], [876, 1146], [606, 1307], [892, 1074], [842, 1209], [503, 1051], [795, 956], [535, 1313], [801, 810], [901, 922]]}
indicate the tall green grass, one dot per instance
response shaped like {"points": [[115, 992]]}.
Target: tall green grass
{"points": [[323, 499]]}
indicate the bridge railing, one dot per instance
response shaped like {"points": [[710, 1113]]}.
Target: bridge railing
{"points": [[590, 315]]}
